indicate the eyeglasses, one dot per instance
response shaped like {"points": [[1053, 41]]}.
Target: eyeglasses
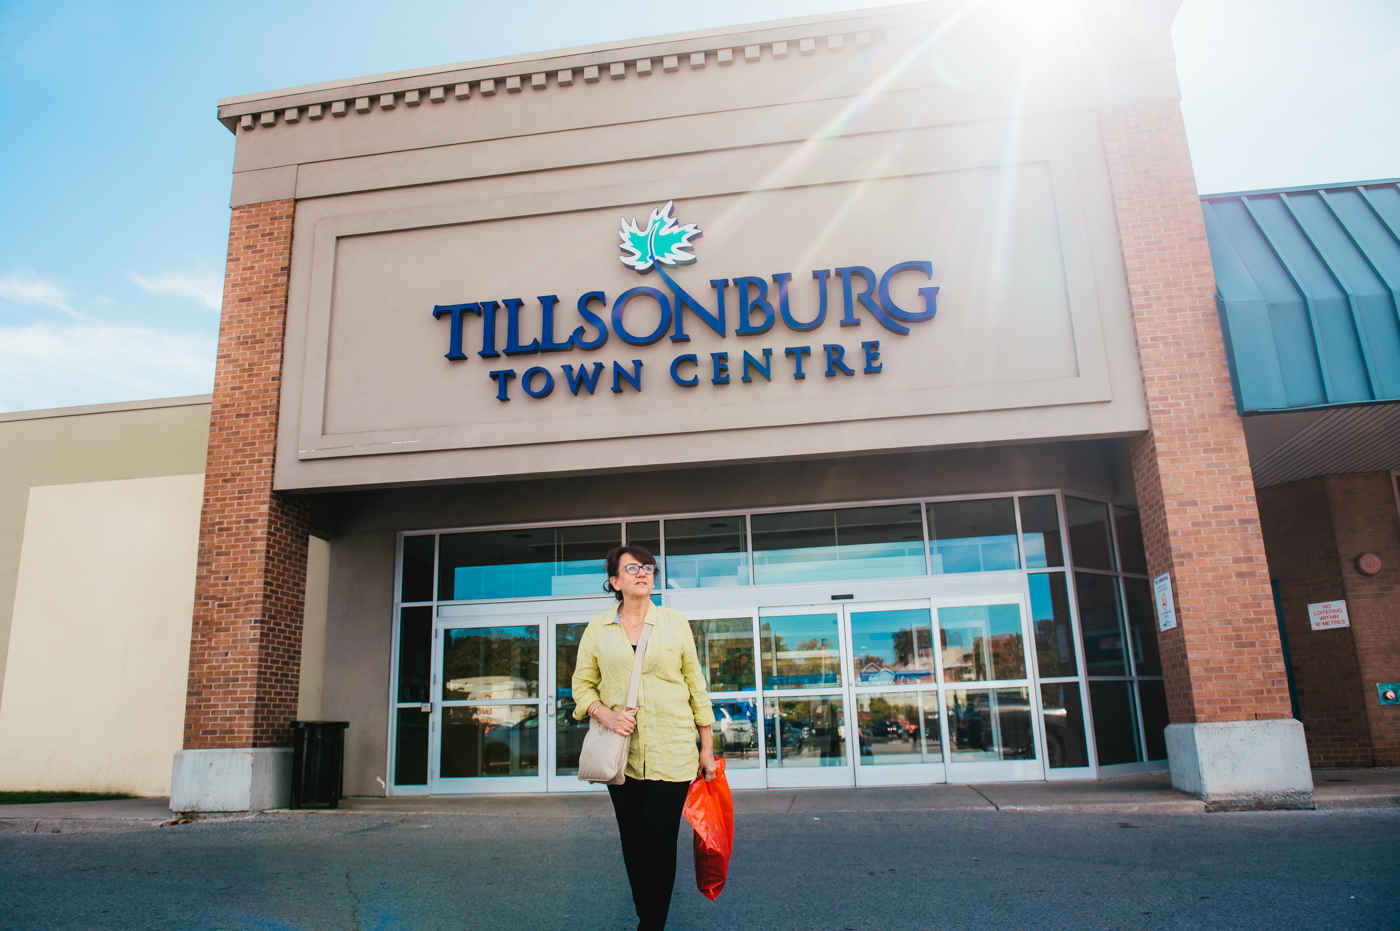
{"points": [[634, 568]]}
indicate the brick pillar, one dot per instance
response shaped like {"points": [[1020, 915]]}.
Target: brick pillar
{"points": [[1223, 662], [245, 646]]}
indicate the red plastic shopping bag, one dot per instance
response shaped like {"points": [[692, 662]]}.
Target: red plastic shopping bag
{"points": [[710, 810]]}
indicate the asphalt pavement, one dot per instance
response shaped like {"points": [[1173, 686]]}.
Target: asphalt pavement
{"points": [[851, 859]]}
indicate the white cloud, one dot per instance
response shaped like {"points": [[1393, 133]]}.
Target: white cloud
{"points": [[207, 287], [28, 288], [43, 365]]}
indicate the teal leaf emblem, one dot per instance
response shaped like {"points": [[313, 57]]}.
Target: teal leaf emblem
{"points": [[663, 241]]}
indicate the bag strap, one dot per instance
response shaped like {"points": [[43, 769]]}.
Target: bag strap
{"points": [[636, 684]]}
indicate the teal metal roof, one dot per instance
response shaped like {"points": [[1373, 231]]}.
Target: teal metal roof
{"points": [[1308, 290]]}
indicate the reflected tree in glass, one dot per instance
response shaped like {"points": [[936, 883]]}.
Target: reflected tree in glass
{"points": [[799, 652], [726, 652], [892, 646], [490, 740], [1050, 618], [491, 663], [805, 732], [982, 643]]}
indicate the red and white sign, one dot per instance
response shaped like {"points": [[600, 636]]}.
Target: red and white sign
{"points": [[1326, 615]]}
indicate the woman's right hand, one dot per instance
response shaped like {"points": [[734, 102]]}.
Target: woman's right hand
{"points": [[622, 722]]}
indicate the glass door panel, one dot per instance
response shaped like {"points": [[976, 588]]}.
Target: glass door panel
{"points": [[728, 650], [805, 722], [895, 694], [487, 708], [989, 704]]}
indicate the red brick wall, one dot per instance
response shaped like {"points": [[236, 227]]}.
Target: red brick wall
{"points": [[1298, 535], [1223, 661], [1364, 521], [245, 646]]}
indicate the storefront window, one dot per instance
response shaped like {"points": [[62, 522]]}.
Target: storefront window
{"points": [[1142, 626], [899, 727], [800, 652], [707, 552], [415, 653], [989, 724], [417, 572], [646, 533], [525, 563], [734, 734], [568, 733], [1153, 693], [411, 748], [972, 536], [1089, 538], [491, 663], [1065, 744], [725, 649], [1040, 528], [490, 740], [1101, 623], [805, 732], [1050, 619], [851, 543], [1131, 553], [1115, 722], [892, 646], [982, 643]]}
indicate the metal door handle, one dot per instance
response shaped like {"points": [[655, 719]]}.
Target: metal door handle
{"points": [[549, 705]]}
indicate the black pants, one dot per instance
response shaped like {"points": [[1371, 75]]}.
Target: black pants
{"points": [[649, 820]]}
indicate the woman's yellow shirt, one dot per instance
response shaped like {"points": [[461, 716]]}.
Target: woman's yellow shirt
{"points": [[673, 699]]}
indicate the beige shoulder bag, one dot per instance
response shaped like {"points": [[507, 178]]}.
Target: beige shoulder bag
{"points": [[604, 754]]}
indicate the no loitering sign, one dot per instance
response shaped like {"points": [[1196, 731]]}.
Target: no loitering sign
{"points": [[1326, 615]]}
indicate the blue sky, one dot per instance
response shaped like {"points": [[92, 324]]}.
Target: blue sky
{"points": [[114, 174]]}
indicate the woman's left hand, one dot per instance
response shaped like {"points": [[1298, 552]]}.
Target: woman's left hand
{"points": [[707, 767]]}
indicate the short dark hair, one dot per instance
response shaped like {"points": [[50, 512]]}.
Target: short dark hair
{"points": [[614, 558]]}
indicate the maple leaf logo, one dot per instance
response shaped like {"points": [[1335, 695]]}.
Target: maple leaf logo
{"points": [[662, 242]]}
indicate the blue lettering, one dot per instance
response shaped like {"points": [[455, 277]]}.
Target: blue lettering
{"points": [[835, 359], [503, 377], [488, 331], [685, 302], [690, 382], [783, 308], [592, 320], [930, 295], [454, 340], [764, 368], [547, 343], [623, 299], [873, 365], [634, 379], [513, 347], [719, 361], [582, 379], [797, 353], [544, 390], [748, 303], [865, 298]]}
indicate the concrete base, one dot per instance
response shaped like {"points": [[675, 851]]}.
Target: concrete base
{"points": [[231, 780], [1242, 765]]}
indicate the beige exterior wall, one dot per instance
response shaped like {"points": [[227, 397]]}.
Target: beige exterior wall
{"points": [[88, 444], [313, 630], [94, 692]]}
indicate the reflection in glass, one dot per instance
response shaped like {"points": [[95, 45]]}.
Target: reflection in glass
{"points": [[1101, 624], [1089, 538], [568, 733], [415, 653], [417, 574], [899, 727], [735, 732], [525, 563], [1040, 528], [892, 646], [490, 663], [725, 648], [828, 546], [490, 740], [707, 552], [647, 534], [411, 748], [1115, 722], [982, 643], [1130, 549], [1065, 743], [972, 536], [987, 725], [799, 652], [1153, 693], [1142, 626], [1050, 619], [805, 732]]}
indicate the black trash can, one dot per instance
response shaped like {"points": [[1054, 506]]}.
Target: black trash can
{"points": [[318, 762]]}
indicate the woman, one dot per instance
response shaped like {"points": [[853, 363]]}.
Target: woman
{"points": [[673, 706]]}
